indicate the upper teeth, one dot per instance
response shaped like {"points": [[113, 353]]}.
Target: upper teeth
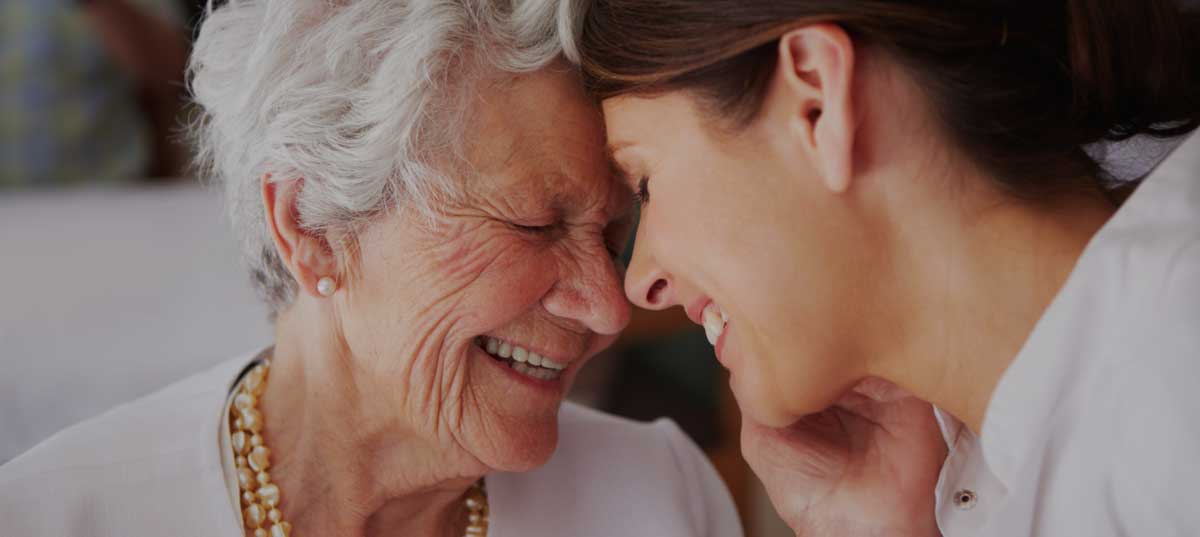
{"points": [[714, 322], [505, 349]]}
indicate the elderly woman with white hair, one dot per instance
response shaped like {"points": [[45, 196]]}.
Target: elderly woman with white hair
{"points": [[425, 202]]}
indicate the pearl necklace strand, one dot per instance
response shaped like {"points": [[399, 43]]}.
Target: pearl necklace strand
{"points": [[260, 496]]}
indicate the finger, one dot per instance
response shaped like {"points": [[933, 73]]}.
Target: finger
{"points": [[817, 446], [880, 390]]}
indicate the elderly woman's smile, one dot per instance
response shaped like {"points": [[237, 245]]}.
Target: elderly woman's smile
{"points": [[484, 311], [426, 204], [522, 360]]}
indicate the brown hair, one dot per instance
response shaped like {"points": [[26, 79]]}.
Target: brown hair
{"points": [[1022, 87]]}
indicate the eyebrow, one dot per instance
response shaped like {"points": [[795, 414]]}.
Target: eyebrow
{"points": [[563, 204]]}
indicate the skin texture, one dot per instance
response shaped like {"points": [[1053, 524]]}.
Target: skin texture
{"points": [[860, 257], [380, 409]]}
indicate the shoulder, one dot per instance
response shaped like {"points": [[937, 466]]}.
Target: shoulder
{"points": [[586, 425], [1148, 270], [1155, 343], [1141, 305], [1154, 455], [1153, 377], [658, 448], [618, 477], [1148, 254], [125, 466]]}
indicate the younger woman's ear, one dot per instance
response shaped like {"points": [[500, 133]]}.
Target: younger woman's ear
{"points": [[815, 79], [307, 256]]}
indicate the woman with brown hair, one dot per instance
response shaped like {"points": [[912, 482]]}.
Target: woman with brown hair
{"points": [[863, 200]]}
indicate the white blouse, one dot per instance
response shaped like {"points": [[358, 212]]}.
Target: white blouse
{"points": [[1094, 430], [154, 467]]}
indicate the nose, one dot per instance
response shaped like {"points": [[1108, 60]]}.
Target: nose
{"points": [[589, 292], [646, 283]]}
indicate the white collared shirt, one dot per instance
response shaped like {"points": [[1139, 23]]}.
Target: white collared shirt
{"points": [[1094, 430]]}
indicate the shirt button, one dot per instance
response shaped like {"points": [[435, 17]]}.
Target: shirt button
{"points": [[965, 499]]}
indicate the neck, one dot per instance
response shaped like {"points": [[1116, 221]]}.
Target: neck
{"points": [[986, 269], [345, 462]]}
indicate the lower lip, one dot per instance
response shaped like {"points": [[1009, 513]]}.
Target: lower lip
{"points": [[554, 386]]}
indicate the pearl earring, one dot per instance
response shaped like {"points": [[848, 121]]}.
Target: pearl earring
{"points": [[326, 286]]}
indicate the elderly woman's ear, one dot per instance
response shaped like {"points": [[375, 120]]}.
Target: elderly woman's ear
{"points": [[307, 256]]}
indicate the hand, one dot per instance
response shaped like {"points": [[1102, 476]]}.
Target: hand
{"points": [[866, 466]]}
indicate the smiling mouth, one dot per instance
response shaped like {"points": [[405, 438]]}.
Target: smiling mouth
{"points": [[520, 359]]}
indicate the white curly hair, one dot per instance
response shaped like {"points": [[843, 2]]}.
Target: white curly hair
{"points": [[357, 97]]}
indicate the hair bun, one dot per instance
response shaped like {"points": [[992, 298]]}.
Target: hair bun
{"points": [[1134, 68]]}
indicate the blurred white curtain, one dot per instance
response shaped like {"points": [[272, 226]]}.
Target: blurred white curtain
{"points": [[109, 295]]}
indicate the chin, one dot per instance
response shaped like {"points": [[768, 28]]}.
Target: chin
{"points": [[757, 405], [523, 448], [517, 416], [769, 417]]}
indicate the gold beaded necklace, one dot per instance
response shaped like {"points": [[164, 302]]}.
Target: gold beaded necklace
{"points": [[260, 496]]}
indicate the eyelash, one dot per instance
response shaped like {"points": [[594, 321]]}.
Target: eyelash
{"points": [[642, 195], [536, 229], [544, 230]]}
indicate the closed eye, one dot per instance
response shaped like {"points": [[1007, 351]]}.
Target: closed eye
{"points": [[535, 229]]}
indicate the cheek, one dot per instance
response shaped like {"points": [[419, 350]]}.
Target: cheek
{"points": [[794, 308], [754, 383], [780, 262], [488, 280], [778, 388], [505, 291], [467, 283], [791, 371]]}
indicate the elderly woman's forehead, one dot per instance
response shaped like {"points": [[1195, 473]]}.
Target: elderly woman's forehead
{"points": [[539, 99], [538, 157], [569, 191], [538, 131]]}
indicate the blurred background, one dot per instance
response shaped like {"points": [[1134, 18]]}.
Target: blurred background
{"points": [[123, 275]]}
